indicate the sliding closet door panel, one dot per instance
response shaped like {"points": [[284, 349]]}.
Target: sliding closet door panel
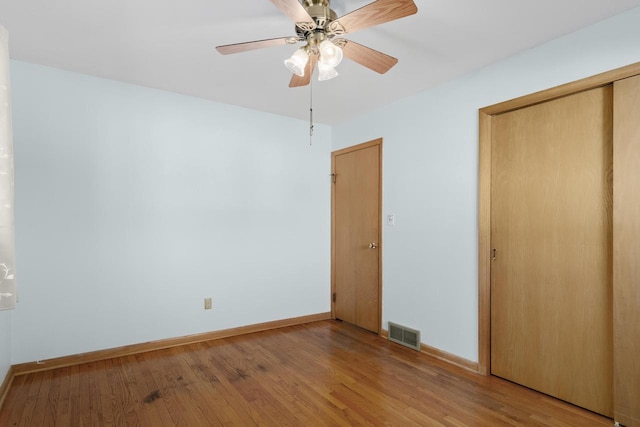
{"points": [[551, 227], [626, 247]]}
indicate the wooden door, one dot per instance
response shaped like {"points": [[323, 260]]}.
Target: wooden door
{"points": [[551, 228], [626, 240], [356, 235]]}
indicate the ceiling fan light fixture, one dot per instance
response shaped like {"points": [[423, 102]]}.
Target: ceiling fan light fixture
{"points": [[326, 72], [298, 61], [330, 54]]}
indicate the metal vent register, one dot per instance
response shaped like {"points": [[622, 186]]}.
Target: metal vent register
{"points": [[404, 335]]}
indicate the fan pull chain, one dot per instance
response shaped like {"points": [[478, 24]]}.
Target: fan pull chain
{"points": [[311, 113]]}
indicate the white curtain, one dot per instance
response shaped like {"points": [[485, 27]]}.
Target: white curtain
{"points": [[7, 245]]}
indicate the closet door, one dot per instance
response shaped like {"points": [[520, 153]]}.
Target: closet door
{"points": [[626, 247], [551, 229]]}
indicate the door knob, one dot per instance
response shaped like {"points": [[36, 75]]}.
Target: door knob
{"points": [[373, 245]]}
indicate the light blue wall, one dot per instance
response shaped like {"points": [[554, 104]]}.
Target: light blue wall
{"points": [[133, 205], [430, 176]]}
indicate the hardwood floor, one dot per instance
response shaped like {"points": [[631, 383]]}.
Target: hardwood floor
{"points": [[323, 373]]}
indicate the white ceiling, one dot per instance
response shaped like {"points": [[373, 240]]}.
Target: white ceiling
{"points": [[169, 45]]}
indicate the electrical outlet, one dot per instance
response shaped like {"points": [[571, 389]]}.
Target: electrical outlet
{"points": [[207, 303]]}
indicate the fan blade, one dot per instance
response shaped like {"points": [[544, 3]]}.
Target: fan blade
{"points": [[293, 9], [297, 81], [258, 44], [370, 58], [377, 13]]}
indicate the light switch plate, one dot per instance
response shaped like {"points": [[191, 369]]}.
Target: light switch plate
{"points": [[391, 219]]}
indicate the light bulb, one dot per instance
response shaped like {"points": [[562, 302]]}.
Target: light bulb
{"points": [[326, 72], [298, 61], [330, 54]]}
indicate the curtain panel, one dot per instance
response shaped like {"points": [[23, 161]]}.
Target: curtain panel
{"points": [[7, 241]]}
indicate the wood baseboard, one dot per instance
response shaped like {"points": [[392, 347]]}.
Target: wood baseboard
{"points": [[6, 384], [452, 359], [128, 350], [449, 358]]}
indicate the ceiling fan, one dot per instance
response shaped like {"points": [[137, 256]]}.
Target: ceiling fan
{"points": [[318, 26]]}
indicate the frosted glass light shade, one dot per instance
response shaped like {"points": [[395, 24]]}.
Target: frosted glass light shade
{"points": [[330, 54], [298, 61], [7, 246], [326, 72]]}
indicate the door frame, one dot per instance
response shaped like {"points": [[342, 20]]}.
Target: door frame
{"points": [[334, 154], [484, 189]]}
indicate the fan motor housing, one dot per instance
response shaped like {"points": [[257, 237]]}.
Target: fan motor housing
{"points": [[320, 11]]}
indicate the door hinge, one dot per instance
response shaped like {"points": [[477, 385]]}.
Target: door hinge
{"points": [[333, 177], [333, 297]]}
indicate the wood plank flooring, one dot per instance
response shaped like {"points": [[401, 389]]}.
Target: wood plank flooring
{"points": [[319, 374]]}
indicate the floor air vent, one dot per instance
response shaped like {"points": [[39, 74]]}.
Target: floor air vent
{"points": [[405, 336]]}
